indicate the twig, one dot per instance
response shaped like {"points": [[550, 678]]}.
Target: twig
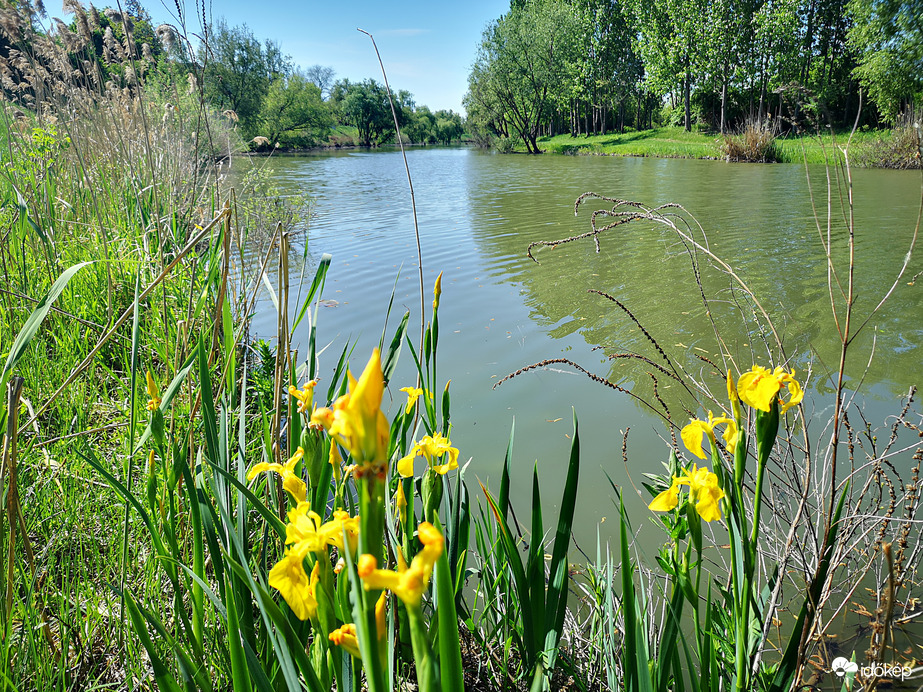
{"points": [[413, 204]]}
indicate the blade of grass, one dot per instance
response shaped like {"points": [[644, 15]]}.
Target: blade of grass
{"points": [[317, 287], [557, 588], [135, 324], [31, 326], [394, 350], [451, 673]]}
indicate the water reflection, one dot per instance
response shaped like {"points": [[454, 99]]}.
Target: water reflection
{"points": [[478, 212]]}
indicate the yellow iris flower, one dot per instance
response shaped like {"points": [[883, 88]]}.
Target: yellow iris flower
{"points": [[305, 396], [306, 534], [300, 592], [153, 392], [704, 491], [340, 524], [336, 461], [732, 396], [431, 448], [407, 583], [413, 393], [290, 480], [303, 532], [693, 433], [400, 501], [345, 636], [666, 501], [437, 291], [759, 387], [356, 420]]}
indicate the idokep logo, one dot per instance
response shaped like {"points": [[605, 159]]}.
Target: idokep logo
{"points": [[841, 666]]}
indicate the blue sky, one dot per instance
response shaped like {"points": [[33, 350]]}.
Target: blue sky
{"points": [[427, 47]]}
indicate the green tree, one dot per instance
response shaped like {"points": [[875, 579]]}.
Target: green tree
{"points": [[521, 69], [671, 43], [365, 105], [239, 71], [888, 37], [608, 65], [421, 127], [293, 112], [486, 117], [448, 126]]}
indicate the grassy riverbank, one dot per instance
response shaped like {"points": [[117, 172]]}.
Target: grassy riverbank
{"points": [[676, 143]]}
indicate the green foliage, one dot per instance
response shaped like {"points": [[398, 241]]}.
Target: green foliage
{"points": [[712, 62], [532, 612], [426, 127], [365, 106], [521, 67], [292, 112], [39, 157], [888, 37], [239, 71], [263, 207]]}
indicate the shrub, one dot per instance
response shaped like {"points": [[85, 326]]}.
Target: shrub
{"points": [[902, 150], [755, 143], [505, 145]]}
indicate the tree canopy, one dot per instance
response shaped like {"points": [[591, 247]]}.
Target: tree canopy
{"points": [[585, 66]]}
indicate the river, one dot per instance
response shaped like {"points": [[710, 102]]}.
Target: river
{"points": [[500, 311]]}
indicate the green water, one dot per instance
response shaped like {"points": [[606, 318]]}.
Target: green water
{"points": [[500, 311]]}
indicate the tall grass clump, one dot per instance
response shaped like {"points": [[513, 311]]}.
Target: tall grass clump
{"points": [[903, 149], [115, 259], [755, 142]]}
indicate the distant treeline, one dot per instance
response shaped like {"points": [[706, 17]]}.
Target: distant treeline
{"points": [[591, 66], [268, 99]]}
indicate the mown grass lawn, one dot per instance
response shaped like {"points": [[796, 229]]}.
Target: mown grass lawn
{"points": [[674, 142]]}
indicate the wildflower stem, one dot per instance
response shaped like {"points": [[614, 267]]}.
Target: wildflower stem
{"points": [[422, 651]]}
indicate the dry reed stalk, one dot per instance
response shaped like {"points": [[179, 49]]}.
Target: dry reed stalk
{"points": [[413, 203]]}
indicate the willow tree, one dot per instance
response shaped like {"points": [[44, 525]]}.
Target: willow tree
{"points": [[522, 65]]}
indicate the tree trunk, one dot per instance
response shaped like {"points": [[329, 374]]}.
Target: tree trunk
{"points": [[724, 94], [687, 88]]}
